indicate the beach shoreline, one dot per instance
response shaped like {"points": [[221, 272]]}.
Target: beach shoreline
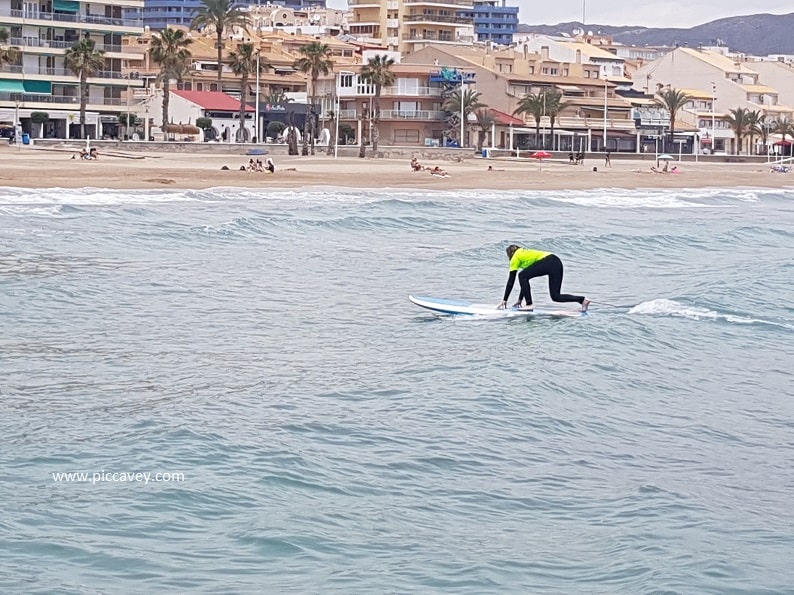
{"points": [[29, 168]]}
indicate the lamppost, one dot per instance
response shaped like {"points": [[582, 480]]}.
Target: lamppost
{"points": [[256, 102], [463, 83], [713, 121], [605, 112], [338, 105]]}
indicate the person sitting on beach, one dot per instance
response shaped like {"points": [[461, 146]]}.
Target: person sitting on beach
{"points": [[83, 153], [665, 169], [415, 165], [259, 166], [271, 166], [251, 165], [93, 153], [571, 160]]}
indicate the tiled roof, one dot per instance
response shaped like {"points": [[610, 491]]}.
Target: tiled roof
{"points": [[212, 100]]}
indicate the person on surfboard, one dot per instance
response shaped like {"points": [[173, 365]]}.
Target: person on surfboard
{"points": [[536, 263]]}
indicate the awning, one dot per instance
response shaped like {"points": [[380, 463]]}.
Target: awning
{"points": [[9, 86], [571, 88], [38, 87], [66, 6]]}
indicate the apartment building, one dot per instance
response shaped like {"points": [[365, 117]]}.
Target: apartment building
{"points": [[594, 115], [158, 14], [494, 21], [409, 25], [39, 81], [722, 83]]}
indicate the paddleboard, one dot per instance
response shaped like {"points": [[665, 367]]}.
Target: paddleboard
{"points": [[464, 308]]}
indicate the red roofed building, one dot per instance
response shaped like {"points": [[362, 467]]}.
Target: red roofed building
{"points": [[185, 107]]}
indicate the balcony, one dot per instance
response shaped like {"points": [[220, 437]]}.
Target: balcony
{"points": [[392, 23], [412, 92], [351, 4], [456, 3], [71, 18], [347, 114], [436, 18], [429, 36], [35, 42], [389, 114], [70, 100]]}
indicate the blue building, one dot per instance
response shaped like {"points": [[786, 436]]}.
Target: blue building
{"points": [[494, 21], [159, 13]]}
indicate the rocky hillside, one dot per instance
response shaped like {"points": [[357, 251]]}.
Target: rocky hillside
{"points": [[758, 34]]}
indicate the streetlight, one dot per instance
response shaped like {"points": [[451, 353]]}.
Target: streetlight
{"points": [[338, 107], [256, 103], [713, 125], [605, 112]]}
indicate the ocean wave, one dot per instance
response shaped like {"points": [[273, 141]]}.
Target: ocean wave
{"points": [[479, 200], [666, 307]]}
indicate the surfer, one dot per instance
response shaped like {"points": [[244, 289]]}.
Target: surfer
{"points": [[535, 263]]}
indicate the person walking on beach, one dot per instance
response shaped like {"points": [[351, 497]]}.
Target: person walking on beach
{"points": [[607, 159], [531, 264]]}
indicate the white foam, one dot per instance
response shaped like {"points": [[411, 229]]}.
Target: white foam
{"points": [[665, 307]]}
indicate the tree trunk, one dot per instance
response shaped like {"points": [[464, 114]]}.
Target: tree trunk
{"points": [[166, 101], [480, 141], [292, 141], [305, 144], [83, 100], [376, 122], [220, 57], [332, 138], [241, 136], [362, 151]]}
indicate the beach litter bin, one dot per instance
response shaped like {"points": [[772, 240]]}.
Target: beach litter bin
{"points": [[25, 138]]}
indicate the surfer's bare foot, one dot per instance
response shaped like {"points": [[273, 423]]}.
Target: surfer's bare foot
{"points": [[585, 304], [530, 307]]}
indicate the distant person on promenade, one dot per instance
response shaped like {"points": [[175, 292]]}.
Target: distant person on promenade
{"points": [[531, 264], [607, 159]]}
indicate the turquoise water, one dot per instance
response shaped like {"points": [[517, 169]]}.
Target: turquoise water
{"points": [[322, 434]]}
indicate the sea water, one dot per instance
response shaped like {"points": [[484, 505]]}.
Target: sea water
{"points": [[227, 391]]}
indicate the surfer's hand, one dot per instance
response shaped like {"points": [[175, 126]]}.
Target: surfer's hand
{"points": [[502, 305]]}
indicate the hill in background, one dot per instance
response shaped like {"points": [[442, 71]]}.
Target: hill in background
{"points": [[758, 34]]}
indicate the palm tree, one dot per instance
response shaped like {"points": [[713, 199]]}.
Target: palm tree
{"points": [[554, 105], [471, 103], [377, 72], [673, 100], [7, 54], [752, 128], [532, 104], [315, 60], [485, 120], [169, 50], [761, 127], [244, 62], [739, 121], [220, 15], [277, 97], [784, 127], [84, 60]]}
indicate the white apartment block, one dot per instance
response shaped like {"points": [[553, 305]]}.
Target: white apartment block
{"points": [[39, 80]]}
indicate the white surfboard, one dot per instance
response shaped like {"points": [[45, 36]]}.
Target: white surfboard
{"points": [[464, 308]]}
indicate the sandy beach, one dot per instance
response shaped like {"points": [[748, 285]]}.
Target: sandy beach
{"points": [[40, 168]]}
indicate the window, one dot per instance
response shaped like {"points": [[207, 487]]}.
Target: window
{"points": [[405, 136]]}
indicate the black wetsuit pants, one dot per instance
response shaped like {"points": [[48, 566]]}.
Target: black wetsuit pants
{"points": [[551, 266]]}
